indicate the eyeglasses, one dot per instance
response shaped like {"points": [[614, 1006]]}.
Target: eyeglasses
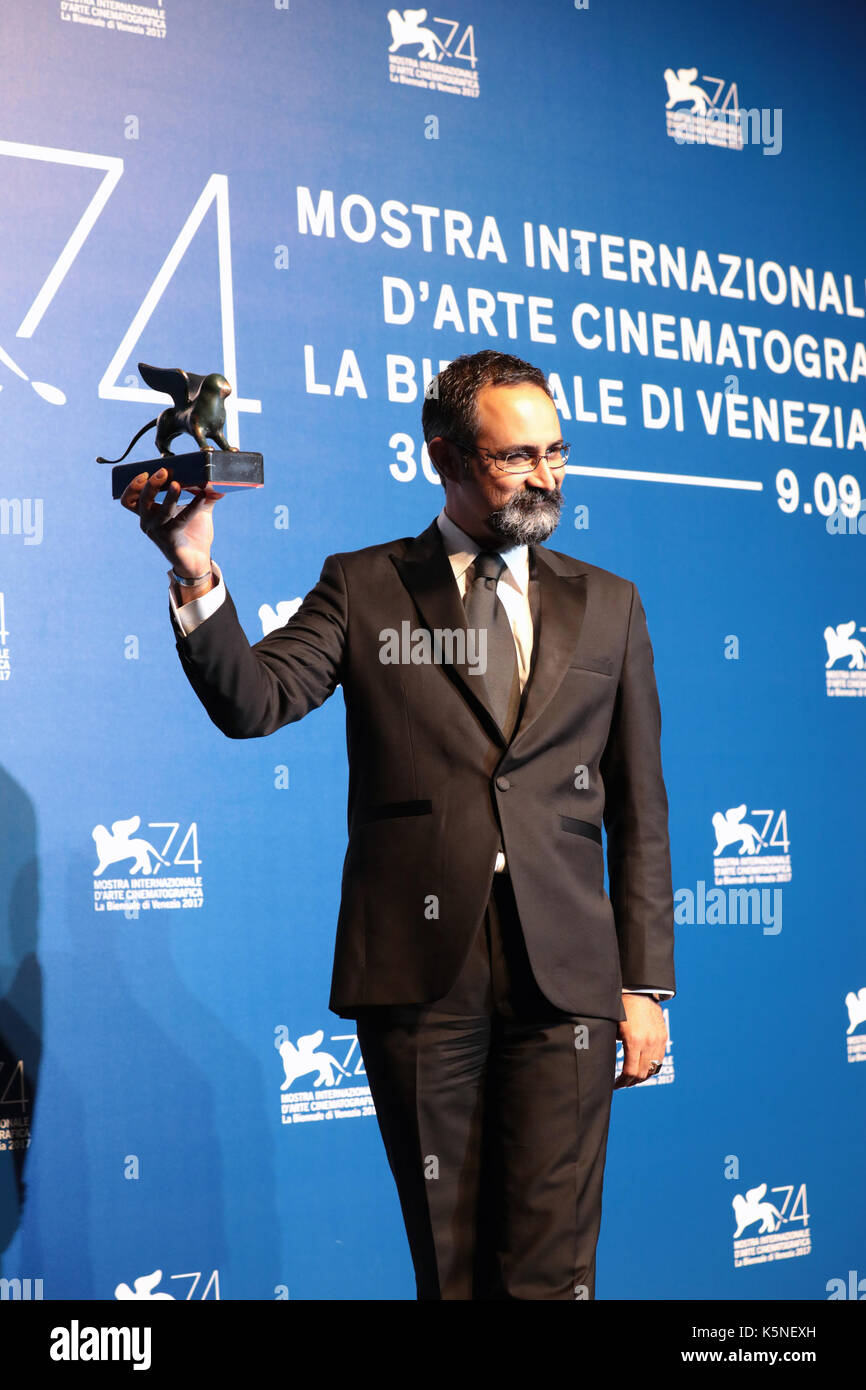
{"points": [[521, 460]]}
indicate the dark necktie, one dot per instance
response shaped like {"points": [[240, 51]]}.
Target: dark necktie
{"points": [[484, 609]]}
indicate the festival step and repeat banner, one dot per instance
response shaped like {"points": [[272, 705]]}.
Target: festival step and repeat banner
{"points": [[661, 206]]}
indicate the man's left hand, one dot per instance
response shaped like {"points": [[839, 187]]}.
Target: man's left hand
{"points": [[644, 1036]]}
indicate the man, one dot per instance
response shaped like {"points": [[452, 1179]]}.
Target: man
{"points": [[500, 704]]}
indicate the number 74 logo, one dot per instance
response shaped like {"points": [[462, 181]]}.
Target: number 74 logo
{"points": [[216, 190]]}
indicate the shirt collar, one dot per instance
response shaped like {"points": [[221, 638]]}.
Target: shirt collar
{"points": [[462, 550]]}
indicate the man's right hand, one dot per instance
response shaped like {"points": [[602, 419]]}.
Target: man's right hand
{"points": [[185, 537]]}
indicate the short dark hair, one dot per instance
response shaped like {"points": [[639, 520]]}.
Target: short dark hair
{"points": [[450, 408]]}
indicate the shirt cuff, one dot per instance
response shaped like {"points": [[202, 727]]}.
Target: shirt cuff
{"points": [[188, 616], [663, 993]]}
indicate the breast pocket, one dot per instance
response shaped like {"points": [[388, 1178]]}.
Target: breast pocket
{"points": [[598, 665]]}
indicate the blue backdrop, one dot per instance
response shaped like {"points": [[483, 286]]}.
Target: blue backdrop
{"points": [[325, 202]]}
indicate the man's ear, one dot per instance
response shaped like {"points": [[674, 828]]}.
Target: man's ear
{"points": [[445, 458]]}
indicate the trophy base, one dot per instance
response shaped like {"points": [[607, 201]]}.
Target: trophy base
{"points": [[222, 467]]}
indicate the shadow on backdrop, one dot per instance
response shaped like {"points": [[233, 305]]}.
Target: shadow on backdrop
{"points": [[20, 998]]}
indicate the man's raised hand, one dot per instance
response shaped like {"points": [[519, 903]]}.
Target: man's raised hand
{"points": [[185, 537]]}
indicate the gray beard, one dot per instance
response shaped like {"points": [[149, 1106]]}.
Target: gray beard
{"points": [[528, 518]]}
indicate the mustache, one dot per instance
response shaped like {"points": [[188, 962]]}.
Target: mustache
{"points": [[533, 497]]}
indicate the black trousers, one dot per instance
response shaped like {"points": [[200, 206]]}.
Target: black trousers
{"points": [[494, 1108]]}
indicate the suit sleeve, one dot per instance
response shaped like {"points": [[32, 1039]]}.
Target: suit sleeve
{"points": [[636, 818], [249, 691]]}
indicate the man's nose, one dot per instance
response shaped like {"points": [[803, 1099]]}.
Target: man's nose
{"points": [[545, 477]]}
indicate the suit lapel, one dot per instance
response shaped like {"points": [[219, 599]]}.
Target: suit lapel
{"points": [[557, 603], [427, 574], [557, 617]]}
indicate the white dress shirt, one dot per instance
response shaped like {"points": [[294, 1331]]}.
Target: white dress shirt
{"points": [[512, 589]]}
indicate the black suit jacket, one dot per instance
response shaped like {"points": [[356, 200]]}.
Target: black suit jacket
{"points": [[434, 784]]}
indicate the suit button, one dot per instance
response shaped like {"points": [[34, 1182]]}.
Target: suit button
{"points": [[503, 784]]}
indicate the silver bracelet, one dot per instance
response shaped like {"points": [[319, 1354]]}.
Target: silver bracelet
{"points": [[191, 583]]}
